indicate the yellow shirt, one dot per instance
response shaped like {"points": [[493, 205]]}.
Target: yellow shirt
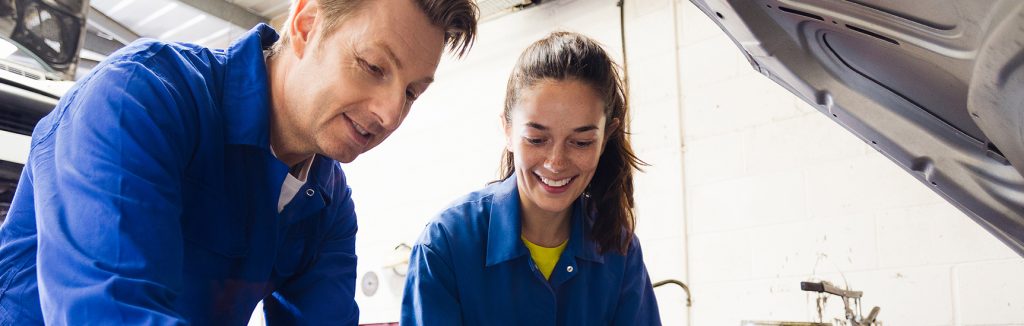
{"points": [[545, 258]]}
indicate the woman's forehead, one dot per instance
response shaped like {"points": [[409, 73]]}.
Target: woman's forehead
{"points": [[563, 104]]}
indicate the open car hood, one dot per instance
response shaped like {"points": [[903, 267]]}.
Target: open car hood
{"points": [[51, 30], [937, 86]]}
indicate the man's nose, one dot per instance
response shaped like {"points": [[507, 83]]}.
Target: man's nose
{"points": [[389, 109]]}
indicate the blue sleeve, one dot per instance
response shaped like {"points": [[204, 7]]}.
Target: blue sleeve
{"points": [[325, 293], [430, 296], [637, 305], [108, 200]]}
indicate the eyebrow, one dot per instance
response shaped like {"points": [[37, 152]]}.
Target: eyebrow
{"points": [[398, 63], [390, 53], [541, 127]]}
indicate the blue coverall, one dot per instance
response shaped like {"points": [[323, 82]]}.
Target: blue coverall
{"points": [[150, 198], [470, 267]]}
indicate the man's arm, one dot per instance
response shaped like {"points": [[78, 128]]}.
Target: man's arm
{"points": [[108, 201], [325, 293]]}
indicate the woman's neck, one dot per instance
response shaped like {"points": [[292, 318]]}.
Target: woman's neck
{"points": [[544, 228]]}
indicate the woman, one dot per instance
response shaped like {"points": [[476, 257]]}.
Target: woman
{"points": [[553, 243]]}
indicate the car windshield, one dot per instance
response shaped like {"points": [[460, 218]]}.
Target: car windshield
{"points": [[12, 53]]}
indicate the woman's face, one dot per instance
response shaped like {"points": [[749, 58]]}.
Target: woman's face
{"points": [[556, 134]]}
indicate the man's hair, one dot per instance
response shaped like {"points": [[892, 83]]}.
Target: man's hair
{"points": [[457, 18]]}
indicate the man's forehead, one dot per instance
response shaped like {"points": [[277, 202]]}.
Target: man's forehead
{"points": [[425, 73], [409, 53], [408, 37]]}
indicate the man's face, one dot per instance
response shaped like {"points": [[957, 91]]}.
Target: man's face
{"points": [[349, 91]]}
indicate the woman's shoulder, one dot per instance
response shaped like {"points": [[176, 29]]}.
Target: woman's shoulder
{"points": [[471, 207], [634, 257], [464, 218], [632, 252]]}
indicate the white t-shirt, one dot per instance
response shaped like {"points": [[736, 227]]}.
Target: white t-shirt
{"points": [[291, 185]]}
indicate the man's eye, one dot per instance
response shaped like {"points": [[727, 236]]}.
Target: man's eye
{"points": [[376, 70], [372, 69]]}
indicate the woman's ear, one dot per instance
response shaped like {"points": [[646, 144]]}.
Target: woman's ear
{"points": [[508, 132], [303, 26]]}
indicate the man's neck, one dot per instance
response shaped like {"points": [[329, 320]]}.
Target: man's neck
{"points": [[301, 170], [285, 153], [283, 138]]}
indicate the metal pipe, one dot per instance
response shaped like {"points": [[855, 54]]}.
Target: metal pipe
{"points": [[689, 302]]}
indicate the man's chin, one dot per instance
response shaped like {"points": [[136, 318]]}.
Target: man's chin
{"points": [[345, 158], [341, 156], [340, 151]]}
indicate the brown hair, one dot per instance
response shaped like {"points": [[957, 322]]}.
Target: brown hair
{"points": [[571, 56], [458, 18]]}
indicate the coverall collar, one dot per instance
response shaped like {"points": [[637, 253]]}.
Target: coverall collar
{"points": [[246, 95], [505, 227]]}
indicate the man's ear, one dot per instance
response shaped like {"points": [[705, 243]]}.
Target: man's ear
{"points": [[303, 26]]}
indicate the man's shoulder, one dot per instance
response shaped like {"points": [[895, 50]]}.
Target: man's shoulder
{"points": [[148, 80], [165, 61], [146, 50]]}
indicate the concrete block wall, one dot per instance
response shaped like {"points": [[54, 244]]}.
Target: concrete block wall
{"points": [[776, 193]]}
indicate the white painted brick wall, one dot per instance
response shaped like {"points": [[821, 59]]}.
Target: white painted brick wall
{"points": [[989, 293]]}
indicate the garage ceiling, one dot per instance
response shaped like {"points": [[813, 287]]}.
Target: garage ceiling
{"points": [[212, 23]]}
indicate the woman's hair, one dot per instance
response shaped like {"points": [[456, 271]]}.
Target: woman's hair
{"points": [[569, 56]]}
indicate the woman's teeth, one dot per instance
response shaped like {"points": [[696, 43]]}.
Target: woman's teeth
{"points": [[555, 183]]}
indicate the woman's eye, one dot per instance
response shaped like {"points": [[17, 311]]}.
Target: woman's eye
{"points": [[410, 95], [534, 141], [583, 144]]}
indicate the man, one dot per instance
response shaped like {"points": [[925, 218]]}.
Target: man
{"points": [[177, 184]]}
